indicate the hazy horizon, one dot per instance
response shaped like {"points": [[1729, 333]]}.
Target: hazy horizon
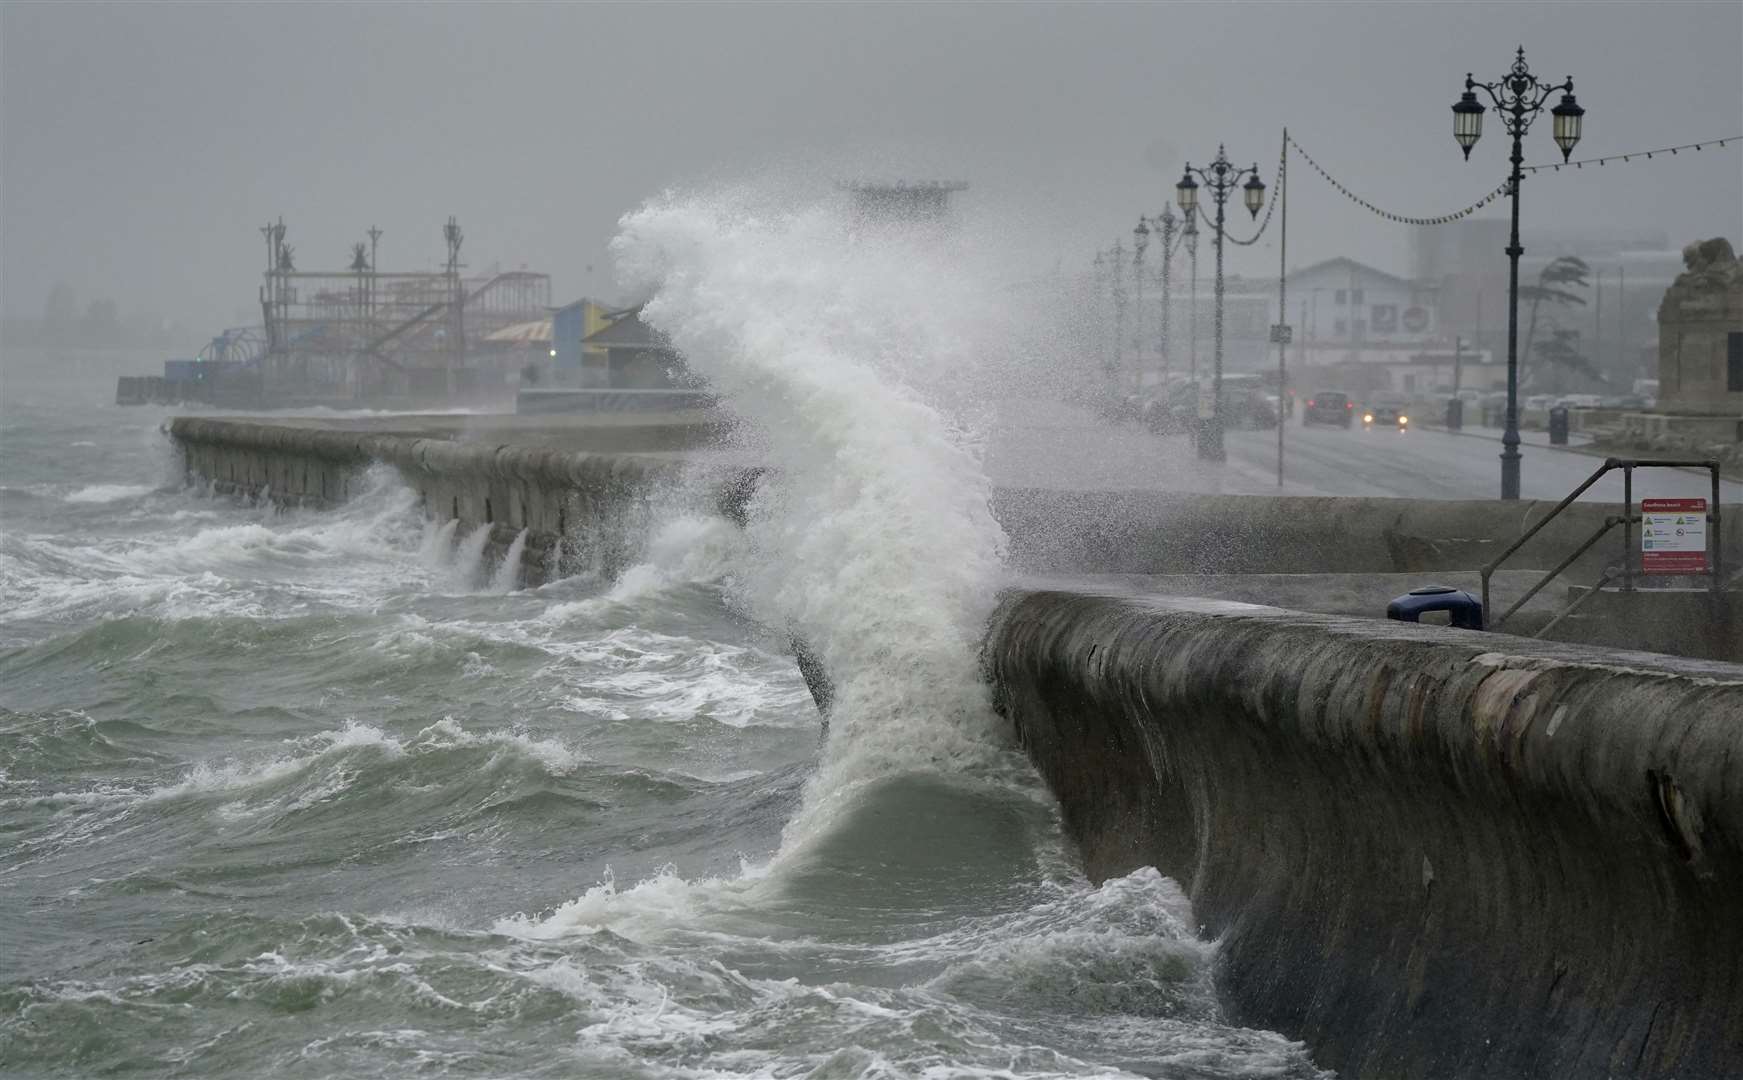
{"points": [[142, 145]]}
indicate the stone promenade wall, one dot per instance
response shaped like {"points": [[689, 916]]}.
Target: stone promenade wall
{"points": [[1429, 853], [580, 509], [1146, 532], [510, 482]]}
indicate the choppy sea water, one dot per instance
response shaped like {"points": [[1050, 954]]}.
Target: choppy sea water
{"points": [[312, 794]]}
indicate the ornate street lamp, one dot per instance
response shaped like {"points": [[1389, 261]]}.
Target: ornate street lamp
{"points": [[1101, 278], [1568, 121], [1117, 278], [1253, 193], [1467, 121], [1221, 178], [1190, 235], [1166, 224], [1519, 97], [1140, 241]]}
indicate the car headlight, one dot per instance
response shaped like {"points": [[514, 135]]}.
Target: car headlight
{"points": [[1367, 418], [1402, 420]]}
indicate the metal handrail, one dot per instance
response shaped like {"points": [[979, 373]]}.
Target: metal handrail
{"points": [[1609, 523], [1627, 519], [1609, 576]]}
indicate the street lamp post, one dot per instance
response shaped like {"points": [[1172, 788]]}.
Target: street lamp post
{"points": [[1165, 224], [1140, 241], [1221, 179], [1107, 362], [1117, 274], [1190, 235], [1519, 97]]}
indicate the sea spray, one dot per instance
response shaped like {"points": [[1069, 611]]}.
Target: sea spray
{"points": [[468, 564], [507, 576], [437, 549], [873, 536]]}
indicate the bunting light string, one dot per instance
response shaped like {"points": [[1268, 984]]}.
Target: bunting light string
{"points": [[1631, 155], [1501, 190], [1441, 219]]}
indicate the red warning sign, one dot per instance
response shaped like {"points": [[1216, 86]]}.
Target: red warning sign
{"points": [[1673, 536]]}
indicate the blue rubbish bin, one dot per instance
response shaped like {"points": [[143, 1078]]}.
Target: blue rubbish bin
{"points": [[1467, 610]]}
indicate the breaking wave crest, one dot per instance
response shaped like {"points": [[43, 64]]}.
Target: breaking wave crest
{"points": [[873, 538]]}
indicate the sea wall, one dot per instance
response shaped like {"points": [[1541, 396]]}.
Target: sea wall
{"points": [[580, 509], [1151, 532], [514, 476], [1429, 853]]}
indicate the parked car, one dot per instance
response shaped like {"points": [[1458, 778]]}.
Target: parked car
{"points": [[1329, 407], [1243, 406], [1173, 409]]}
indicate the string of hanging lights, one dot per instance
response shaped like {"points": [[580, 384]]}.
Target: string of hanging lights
{"points": [[1632, 154], [1402, 219]]}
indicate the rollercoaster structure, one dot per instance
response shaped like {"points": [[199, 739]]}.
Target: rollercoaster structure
{"points": [[361, 333]]}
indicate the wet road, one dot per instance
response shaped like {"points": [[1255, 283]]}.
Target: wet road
{"points": [[1050, 445], [1426, 463]]}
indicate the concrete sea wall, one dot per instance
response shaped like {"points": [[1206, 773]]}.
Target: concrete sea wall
{"points": [[510, 473], [1429, 853], [580, 509], [1150, 532]]}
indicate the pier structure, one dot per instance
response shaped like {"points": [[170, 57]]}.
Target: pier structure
{"points": [[361, 332]]}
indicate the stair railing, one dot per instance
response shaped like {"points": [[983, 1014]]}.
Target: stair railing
{"points": [[1625, 573]]}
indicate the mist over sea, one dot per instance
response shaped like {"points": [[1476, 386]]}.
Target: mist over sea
{"points": [[317, 794]]}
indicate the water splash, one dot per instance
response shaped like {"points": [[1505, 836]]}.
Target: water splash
{"points": [[468, 564], [507, 576], [437, 549], [874, 537]]}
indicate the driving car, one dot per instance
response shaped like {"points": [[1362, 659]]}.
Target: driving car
{"points": [[1328, 407], [1385, 412]]}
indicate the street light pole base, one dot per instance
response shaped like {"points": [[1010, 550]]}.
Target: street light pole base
{"points": [[1510, 473]]}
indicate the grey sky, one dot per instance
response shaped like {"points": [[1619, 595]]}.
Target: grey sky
{"points": [[141, 145]]}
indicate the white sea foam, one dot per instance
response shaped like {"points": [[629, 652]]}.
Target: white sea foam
{"points": [[1117, 964], [684, 550], [346, 557], [646, 911], [207, 778], [553, 755], [312, 752], [106, 493]]}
